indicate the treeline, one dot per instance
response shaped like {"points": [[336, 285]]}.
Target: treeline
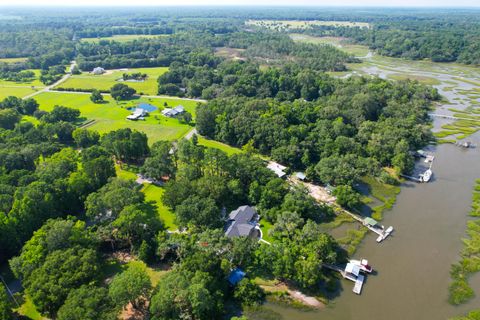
{"points": [[354, 128], [44, 48], [439, 40], [207, 76]]}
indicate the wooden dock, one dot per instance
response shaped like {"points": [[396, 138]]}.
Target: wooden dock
{"points": [[357, 288]]}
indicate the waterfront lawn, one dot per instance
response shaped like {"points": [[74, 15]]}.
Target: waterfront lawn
{"points": [[88, 81], [111, 115]]}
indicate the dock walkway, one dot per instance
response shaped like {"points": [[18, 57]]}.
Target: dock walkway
{"points": [[359, 280]]}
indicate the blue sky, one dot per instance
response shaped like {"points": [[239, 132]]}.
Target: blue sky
{"points": [[397, 3]]}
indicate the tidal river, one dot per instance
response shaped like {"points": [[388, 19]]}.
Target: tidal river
{"points": [[429, 220]]}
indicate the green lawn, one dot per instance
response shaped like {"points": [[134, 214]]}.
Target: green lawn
{"points": [[29, 310], [112, 115], [154, 193], [218, 145], [35, 82], [20, 92], [123, 37], [12, 60], [105, 81], [20, 89]]}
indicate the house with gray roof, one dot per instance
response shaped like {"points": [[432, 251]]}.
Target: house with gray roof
{"points": [[243, 222], [169, 112]]}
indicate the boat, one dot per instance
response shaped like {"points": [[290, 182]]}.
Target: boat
{"points": [[426, 176], [385, 234], [363, 264]]}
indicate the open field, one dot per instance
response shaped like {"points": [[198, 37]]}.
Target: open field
{"points": [[303, 24], [229, 53], [112, 114], [218, 145], [154, 193], [123, 37], [15, 91], [340, 43], [12, 60], [88, 81], [20, 89]]}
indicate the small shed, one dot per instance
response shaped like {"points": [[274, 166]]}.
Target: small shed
{"points": [[352, 269], [300, 176], [236, 276], [370, 222]]}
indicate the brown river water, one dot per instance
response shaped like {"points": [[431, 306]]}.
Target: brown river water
{"points": [[413, 265]]}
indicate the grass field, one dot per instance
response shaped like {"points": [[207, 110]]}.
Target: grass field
{"points": [[303, 24], [12, 60], [154, 193], [218, 145], [112, 115], [105, 81], [340, 43], [123, 37], [20, 89], [28, 310]]}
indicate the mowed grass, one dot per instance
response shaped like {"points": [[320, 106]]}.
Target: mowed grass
{"points": [[29, 310], [12, 60], [123, 37], [340, 43], [154, 194], [218, 145], [88, 81], [15, 91], [112, 115], [20, 89]]}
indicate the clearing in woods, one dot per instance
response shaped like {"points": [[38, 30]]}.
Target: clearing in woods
{"points": [[89, 81], [123, 37], [111, 115], [303, 24]]}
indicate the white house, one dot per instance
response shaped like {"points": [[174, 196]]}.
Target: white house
{"points": [[138, 114], [169, 112], [98, 71]]}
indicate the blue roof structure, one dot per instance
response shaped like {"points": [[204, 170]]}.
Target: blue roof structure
{"points": [[147, 107], [236, 276]]}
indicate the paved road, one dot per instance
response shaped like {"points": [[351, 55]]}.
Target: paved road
{"points": [[47, 88]]}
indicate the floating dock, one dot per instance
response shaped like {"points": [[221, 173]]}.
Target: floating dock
{"points": [[357, 288], [350, 272]]}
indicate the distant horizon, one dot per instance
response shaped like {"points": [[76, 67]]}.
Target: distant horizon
{"points": [[405, 4]]}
